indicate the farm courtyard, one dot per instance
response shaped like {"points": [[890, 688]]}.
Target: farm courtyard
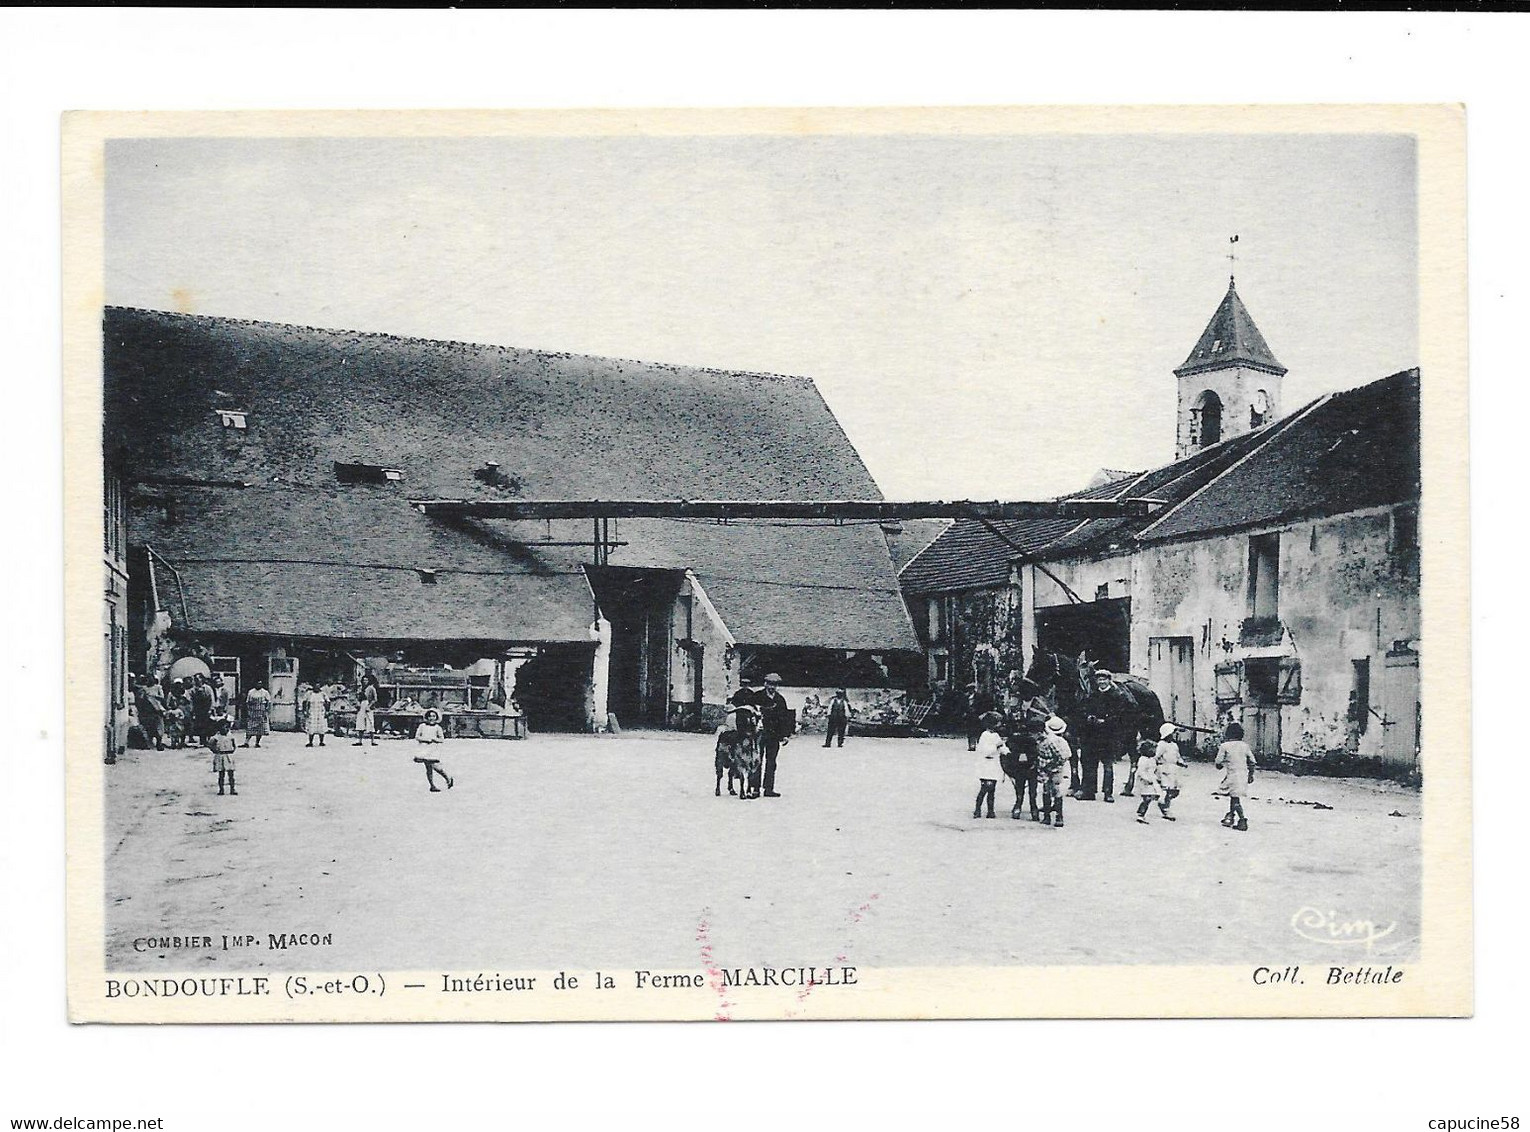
{"points": [[566, 851]]}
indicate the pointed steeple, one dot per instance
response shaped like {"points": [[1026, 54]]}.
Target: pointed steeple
{"points": [[1230, 339]]}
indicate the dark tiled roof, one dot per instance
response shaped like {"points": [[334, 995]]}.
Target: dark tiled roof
{"points": [[1170, 483], [560, 426], [970, 556], [1230, 339], [1345, 452], [1340, 453], [908, 537]]}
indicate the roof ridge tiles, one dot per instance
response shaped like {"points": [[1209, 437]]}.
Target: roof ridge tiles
{"points": [[569, 355]]}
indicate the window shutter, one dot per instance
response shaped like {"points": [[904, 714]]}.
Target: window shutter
{"points": [[1290, 688], [1229, 683]]}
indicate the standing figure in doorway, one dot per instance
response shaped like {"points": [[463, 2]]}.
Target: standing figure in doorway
{"points": [[976, 704], [201, 708], [316, 715], [839, 717], [257, 714]]}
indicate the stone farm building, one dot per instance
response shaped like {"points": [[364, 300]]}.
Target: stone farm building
{"points": [[269, 470], [1278, 584]]}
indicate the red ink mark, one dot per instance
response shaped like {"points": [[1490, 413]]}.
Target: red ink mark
{"points": [[714, 973], [855, 917]]}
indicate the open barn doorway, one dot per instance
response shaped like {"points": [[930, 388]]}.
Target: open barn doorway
{"points": [[1101, 630]]}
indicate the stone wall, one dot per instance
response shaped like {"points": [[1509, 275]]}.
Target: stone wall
{"points": [[1346, 593]]}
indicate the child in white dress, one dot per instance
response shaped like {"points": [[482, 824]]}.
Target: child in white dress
{"points": [[990, 747], [1147, 779], [1168, 759], [1237, 758], [430, 732]]}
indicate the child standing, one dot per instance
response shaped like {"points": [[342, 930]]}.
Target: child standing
{"points": [[1147, 779], [221, 743], [1237, 758], [1052, 755], [990, 747], [430, 732], [1168, 759]]}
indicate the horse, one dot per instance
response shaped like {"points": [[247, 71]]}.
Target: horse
{"points": [[1069, 686], [1063, 682], [737, 753]]}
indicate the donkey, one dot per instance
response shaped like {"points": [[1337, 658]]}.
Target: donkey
{"points": [[737, 752]]}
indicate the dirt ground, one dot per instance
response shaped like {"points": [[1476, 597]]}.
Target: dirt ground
{"points": [[567, 851]]}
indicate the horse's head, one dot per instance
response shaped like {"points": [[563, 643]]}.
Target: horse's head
{"points": [[1043, 671], [747, 719], [1083, 670]]}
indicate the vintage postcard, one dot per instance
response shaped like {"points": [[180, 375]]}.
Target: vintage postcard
{"points": [[767, 564]]}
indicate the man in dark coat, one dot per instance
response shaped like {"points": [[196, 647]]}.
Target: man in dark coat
{"points": [[1106, 731], [839, 718], [775, 728]]}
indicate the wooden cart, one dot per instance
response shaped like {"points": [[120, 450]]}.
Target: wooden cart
{"points": [[908, 724]]}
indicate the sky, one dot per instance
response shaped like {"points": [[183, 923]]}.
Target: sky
{"points": [[988, 316]]}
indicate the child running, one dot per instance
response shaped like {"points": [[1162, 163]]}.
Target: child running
{"points": [[990, 746], [1147, 779], [1237, 758], [1168, 759], [430, 732]]}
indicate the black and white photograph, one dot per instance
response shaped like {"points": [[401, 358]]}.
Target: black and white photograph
{"points": [[744, 565]]}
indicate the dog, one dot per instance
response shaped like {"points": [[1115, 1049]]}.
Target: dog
{"points": [[738, 753]]}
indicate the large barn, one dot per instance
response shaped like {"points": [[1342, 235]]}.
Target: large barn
{"points": [[269, 470]]}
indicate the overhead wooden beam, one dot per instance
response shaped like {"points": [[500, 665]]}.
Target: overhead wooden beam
{"points": [[837, 509]]}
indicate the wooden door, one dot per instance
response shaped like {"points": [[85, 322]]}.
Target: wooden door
{"points": [[281, 682], [1261, 722], [1400, 710], [1171, 674]]}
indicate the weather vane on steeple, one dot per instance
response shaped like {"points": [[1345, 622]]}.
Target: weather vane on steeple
{"points": [[1232, 261]]}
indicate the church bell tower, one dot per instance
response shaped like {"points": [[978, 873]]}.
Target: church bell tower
{"points": [[1230, 383]]}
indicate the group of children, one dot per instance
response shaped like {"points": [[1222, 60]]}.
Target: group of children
{"points": [[1157, 769], [221, 744], [1048, 748]]}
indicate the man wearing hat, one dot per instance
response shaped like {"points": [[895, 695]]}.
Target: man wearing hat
{"points": [[775, 727], [1106, 734]]}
